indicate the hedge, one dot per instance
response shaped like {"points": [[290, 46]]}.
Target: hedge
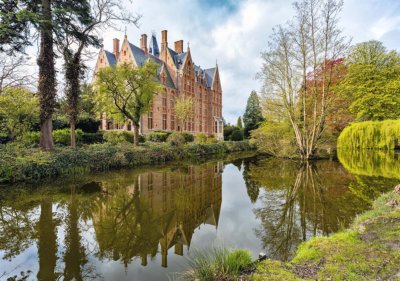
{"points": [[20, 164]]}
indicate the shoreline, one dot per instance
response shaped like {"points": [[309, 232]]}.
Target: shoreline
{"points": [[18, 165]]}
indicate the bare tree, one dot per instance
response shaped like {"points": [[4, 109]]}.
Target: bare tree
{"points": [[104, 14], [14, 72], [298, 68]]}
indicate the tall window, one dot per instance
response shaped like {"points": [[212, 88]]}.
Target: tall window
{"points": [[164, 121], [150, 120], [172, 122], [171, 101], [164, 100]]}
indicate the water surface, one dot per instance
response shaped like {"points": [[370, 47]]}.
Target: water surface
{"points": [[144, 224]]}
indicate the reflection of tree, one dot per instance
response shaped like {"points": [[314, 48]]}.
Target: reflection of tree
{"points": [[47, 242], [301, 201], [253, 188]]}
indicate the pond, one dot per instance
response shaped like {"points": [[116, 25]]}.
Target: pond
{"points": [[145, 224]]}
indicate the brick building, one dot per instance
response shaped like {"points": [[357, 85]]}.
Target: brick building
{"points": [[179, 75]]}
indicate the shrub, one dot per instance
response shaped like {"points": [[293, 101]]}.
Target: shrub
{"points": [[63, 137], [116, 137], [59, 124], [188, 137], [201, 138], [90, 138], [88, 125], [176, 139], [237, 135], [31, 139], [212, 139], [157, 136]]}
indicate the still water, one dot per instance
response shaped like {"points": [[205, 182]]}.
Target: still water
{"points": [[144, 224]]}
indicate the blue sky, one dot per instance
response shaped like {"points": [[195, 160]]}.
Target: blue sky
{"points": [[235, 32]]}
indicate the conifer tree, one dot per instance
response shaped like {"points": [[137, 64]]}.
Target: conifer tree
{"points": [[252, 116], [239, 123]]}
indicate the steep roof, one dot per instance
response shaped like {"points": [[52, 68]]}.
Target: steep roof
{"points": [[153, 46], [112, 60], [209, 73]]}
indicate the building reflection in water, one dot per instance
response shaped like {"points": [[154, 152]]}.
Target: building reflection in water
{"points": [[158, 210]]}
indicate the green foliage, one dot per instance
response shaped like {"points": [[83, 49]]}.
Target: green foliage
{"points": [[183, 110], [90, 138], [176, 139], [201, 138], [371, 135], [253, 115], [116, 137], [275, 138], [63, 137], [239, 123], [158, 136], [19, 109], [217, 264], [233, 133], [18, 163], [237, 135], [372, 82], [88, 124], [188, 136]]}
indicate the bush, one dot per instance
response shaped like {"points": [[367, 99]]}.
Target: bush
{"points": [[63, 137], [90, 138], [31, 139], [212, 139], [59, 124], [188, 137], [176, 139], [158, 136], [201, 138], [237, 135], [88, 125], [116, 137]]}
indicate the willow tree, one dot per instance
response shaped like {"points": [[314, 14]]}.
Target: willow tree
{"points": [[128, 90], [83, 33], [297, 68]]}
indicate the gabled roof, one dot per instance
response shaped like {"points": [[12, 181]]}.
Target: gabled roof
{"points": [[178, 58], [138, 54], [112, 60]]}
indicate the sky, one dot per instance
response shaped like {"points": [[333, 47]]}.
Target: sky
{"points": [[235, 32]]}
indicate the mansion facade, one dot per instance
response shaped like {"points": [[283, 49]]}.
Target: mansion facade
{"points": [[179, 75]]}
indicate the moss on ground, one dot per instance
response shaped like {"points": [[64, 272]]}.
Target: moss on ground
{"points": [[368, 250]]}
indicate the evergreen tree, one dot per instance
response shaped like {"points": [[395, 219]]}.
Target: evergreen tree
{"points": [[239, 123], [252, 116]]}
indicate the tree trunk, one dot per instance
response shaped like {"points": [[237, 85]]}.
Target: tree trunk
{"points": [[46, 87], [72, 132], [136, 134]]}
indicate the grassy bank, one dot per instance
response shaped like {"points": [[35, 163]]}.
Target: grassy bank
{"points": [[368, 250], [19, 164]]}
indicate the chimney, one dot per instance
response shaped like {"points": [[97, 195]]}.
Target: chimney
{"points": [[164, 41], [143, 43], [116, 47], [179, 46]]}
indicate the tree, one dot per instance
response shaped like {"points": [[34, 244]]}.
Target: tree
{"points": [[252, 116], [48, 17], [13, 72], [184, 110], [72, 44], [128, 90], [299, 53], [372, 82], [239, 123], [20, 109]]}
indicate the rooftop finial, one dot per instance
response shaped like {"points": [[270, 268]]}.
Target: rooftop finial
{"points": [[125, 30], [188, 45]]}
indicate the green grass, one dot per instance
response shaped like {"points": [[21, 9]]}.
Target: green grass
{"points": [[368, 250], [219, 263]]}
